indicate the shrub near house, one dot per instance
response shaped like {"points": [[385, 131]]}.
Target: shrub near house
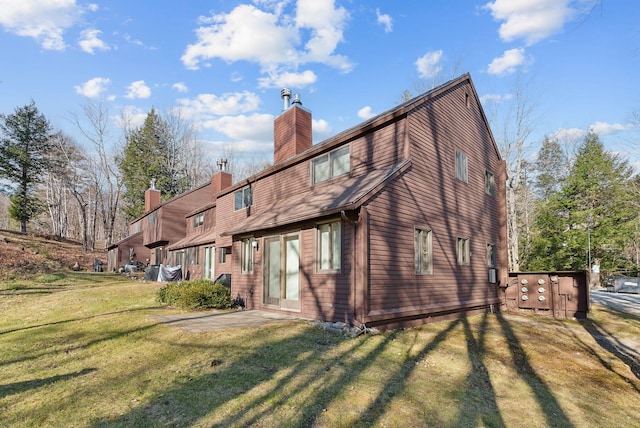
{"points": [[197, 294]]}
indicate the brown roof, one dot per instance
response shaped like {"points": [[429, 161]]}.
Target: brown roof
{"points": [[194, 240], [128, 238], [343, 195]]}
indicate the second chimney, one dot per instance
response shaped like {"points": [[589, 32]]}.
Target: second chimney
{"points": [[291, 130], [151, 197]]}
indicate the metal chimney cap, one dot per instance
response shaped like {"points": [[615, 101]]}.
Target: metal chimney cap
{"points": [[296, 99], [285, 92]]}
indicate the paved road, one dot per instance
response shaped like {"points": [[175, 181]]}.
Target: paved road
{"points": [[625, 302]]}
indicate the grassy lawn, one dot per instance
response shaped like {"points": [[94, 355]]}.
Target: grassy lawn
{"points": [[87, 350]]}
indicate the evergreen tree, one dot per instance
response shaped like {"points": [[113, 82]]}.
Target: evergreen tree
{"points": [[25, 146], [551, 168], [150, 154], [590, 217]]}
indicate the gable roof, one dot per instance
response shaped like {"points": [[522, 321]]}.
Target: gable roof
{"points": [[381, 119], [342, 195]]}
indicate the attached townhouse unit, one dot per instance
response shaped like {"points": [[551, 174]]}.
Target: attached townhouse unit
{"points": [[395, 222]]}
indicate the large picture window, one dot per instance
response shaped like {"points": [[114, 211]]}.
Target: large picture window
{"points": [[329, 251], [330, 165], [243, 198], [461, 166], [422, 240]]}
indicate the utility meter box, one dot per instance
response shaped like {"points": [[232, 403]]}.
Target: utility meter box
{"points": [[560, 294]]}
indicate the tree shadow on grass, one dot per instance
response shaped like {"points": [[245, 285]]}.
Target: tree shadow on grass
{"points": [[18, 387], [247, 379], [30, 327], [479, 400], [607, 340], [270, 375], [397, 383], [547, 402]]}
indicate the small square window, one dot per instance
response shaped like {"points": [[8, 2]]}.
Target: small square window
{"points": [[198, 220], [464, 252], [243, 198], [331, 165]]}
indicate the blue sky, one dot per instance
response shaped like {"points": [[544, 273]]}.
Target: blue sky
{"points": [[223, 62]]}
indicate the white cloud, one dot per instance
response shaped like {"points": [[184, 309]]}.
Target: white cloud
{"points": [[246, 33], [93, 7], [45, 20], [530, 20], [603, 128], [429, 64], [507, 63], [205, 106], [138, 89], [90, 40], [320, 128], [180, 87], [569, 135], [288, 79], [93, 88], [495, 98], [131, 117], [255, 127], [365, 113], [271, 38], [385, 20]]}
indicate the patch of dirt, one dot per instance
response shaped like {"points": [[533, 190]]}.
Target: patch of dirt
{"points": [[24, 254]]}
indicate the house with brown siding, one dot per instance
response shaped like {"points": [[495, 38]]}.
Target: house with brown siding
{"points": [[162, 224], [394, 222]]}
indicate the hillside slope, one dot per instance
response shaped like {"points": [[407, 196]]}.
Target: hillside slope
{"points": [[23, 254]]}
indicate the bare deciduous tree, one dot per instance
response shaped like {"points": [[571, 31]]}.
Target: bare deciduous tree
{"points": [[512, 129]]}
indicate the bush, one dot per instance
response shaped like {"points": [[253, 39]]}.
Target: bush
{"points": [[197, 294]]}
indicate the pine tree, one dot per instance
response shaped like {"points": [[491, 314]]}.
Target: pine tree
{"points": [[25, 145], [150, 154], [590, 217]]}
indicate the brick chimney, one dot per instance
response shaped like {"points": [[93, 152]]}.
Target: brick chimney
{"points": [[151, 197], [291, 130], [221, 179]]}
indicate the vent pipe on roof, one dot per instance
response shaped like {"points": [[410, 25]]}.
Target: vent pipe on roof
{"points": [[285, 93], [296, 100]]}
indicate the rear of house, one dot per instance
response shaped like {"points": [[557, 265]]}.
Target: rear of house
{"points": [[393, 222]]}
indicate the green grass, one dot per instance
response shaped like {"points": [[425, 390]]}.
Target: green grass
{"points": [[90, 352]]}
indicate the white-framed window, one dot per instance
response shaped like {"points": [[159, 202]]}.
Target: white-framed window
{"points": [[491, 255], [422, 250], [192, 255], [329, 247], [331, 165], [222, 254], [246, 255], [461, 166], [243, 198], [198, 220], [489, 183], [464, 251]]}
